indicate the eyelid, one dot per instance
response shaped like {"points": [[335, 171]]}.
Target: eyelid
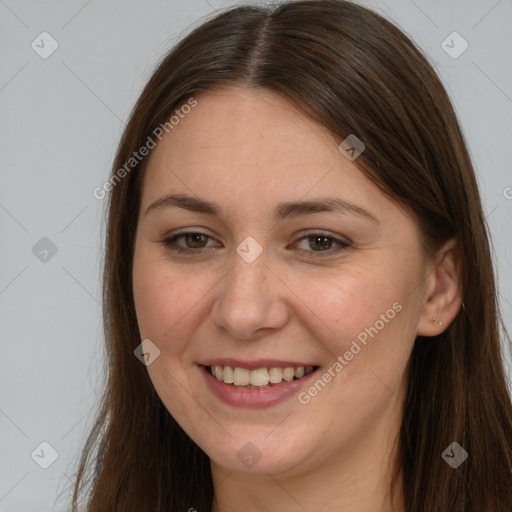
{"points": [[329, 234], [342, 243], [170, 238]]}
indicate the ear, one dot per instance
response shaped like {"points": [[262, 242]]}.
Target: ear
{"points": [[443, 297]]}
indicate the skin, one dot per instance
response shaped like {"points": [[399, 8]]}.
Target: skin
{"points": [[248, 150]]}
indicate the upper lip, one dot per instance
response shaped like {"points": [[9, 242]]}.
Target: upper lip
{"points": [[253, 365]]}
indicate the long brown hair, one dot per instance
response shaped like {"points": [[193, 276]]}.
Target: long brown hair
{"points": [[356, 73]]}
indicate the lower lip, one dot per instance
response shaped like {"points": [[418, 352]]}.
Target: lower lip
{"points": [[254, 398]]}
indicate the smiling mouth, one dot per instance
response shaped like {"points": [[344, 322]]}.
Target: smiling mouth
{"points": [[259, 378]]}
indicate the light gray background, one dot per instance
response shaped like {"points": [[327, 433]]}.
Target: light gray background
{"points": [[61, 118]]}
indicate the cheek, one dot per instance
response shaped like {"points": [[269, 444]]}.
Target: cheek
{"points": [[168, 300], [165, 302], [341, 308], [368, 333], [366, 316]]}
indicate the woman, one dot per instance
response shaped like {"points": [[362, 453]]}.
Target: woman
{"points": [[299, 301]]}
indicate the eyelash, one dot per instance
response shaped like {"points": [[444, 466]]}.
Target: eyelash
{"points": [[342, 244]]}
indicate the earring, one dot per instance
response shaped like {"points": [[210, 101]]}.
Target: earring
{"points": [[434, 320]]}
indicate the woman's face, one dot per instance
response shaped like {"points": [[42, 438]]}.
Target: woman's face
{"points": [[293, 258]]}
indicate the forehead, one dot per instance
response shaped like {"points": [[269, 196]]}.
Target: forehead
{"points": [[253, 147], [233, 122]]}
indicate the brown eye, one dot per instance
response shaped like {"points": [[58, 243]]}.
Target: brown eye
{"points": [[191, 242], [321, 244], [195, 240]]}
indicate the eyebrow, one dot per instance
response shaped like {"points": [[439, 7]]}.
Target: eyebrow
{"points": [[281, 212]]}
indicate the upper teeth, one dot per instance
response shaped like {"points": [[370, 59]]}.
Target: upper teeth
{"points": [[260, 376]]}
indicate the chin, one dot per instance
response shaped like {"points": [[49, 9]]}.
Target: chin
{"points": [[259, 457]]}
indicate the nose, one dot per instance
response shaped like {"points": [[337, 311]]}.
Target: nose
{"points": [[251, 301]]}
